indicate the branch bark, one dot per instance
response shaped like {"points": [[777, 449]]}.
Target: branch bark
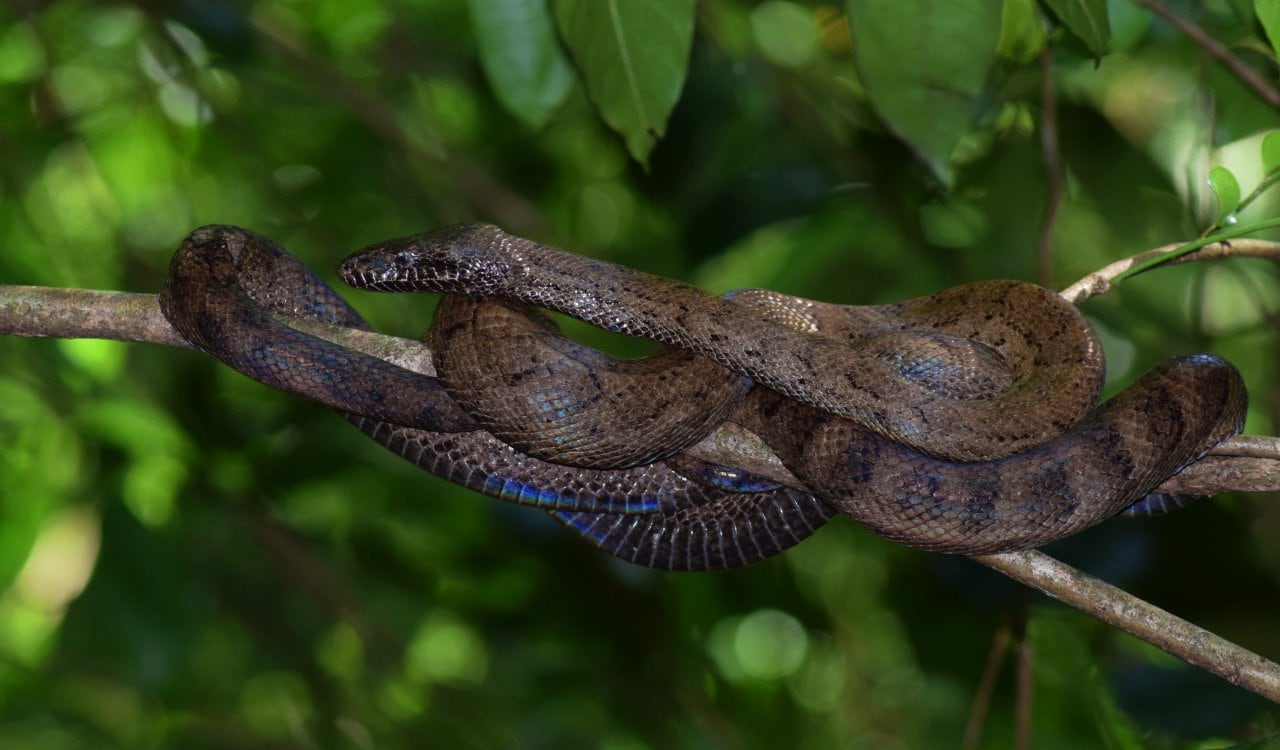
{"points": [[1245, 463]]}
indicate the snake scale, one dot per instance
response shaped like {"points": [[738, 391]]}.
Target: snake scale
{"points": [[966, 421]]}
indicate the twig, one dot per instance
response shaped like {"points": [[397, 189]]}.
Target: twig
{"points": [[1121, 609], [1215, 49], [986, 686], [1100, 281], [1052, 159], [1024, 682]]}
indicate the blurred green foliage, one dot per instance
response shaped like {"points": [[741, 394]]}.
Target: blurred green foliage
{"points": [[190, 559]]}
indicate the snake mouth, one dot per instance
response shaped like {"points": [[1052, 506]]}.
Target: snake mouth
{"points": [[377, 268], [397, 273], [370, 281], [455, 259]]}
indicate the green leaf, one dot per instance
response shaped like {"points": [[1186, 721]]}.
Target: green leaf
{"points": [[1271, 152], [1086, 19], [633, 56], [1269, 14], [786, 33], [1227, 189], [521, 57], [923, 65], [1021, 32]]}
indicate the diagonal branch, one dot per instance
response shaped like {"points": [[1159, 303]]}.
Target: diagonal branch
{"points": [[1119, 608], [1218, 51]]}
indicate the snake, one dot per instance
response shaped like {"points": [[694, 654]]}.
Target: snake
{"points": [[231, 293], [864, 404], [577, 405], [861, 380]]}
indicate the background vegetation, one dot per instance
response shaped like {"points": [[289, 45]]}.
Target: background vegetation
{"points": [[190, 559]]}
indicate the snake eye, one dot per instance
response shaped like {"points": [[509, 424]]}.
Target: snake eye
{"points": [[404, 265]]}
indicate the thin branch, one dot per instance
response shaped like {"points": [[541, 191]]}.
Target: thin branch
{"points": [[986, 686], [46, 312], [1049, 154], [1101, 281], [1119, 608], [1215, 49], [1025, 682]]}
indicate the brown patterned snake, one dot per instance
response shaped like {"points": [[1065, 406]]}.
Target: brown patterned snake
{"points": [[1047, 472], [934, 421], [231, 292]]}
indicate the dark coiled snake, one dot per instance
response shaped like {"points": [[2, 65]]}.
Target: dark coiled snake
{"points": [[965, 421]]}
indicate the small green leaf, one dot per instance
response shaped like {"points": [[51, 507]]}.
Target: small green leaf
{"points": [[1227, 189], [1021, 32], [1269, 14], [521, 57], [1271, 152], [924, 65], [1086, 19], [633, 56], [786, 33]]}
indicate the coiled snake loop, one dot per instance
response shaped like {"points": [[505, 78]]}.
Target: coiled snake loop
{"points": [[966, 421]]}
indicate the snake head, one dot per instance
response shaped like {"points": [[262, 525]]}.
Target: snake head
{"points": [[467, 259]]}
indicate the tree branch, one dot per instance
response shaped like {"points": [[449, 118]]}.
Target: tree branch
{"points": [[1100, 281], [1119, 608], [1242, 464], [1246, 463], [1216, 50]]}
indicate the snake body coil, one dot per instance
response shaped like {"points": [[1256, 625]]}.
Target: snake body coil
{"points": [[555, 399], [230, 293], [1001, 374], [965, 421], [865, 379]]}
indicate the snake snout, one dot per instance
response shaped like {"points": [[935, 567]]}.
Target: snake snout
{"points": [[455, 259], [378, 267]]}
